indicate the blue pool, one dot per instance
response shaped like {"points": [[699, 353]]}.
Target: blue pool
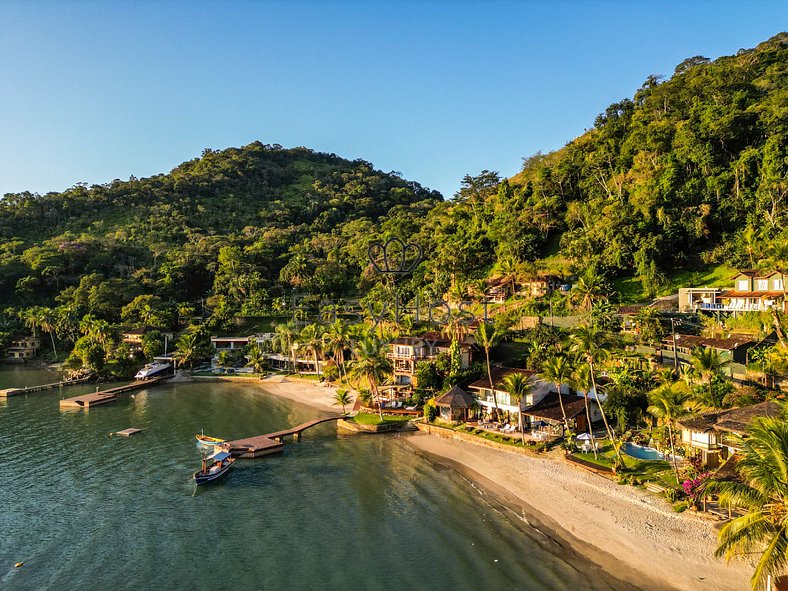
{"points": [[640, 452]]}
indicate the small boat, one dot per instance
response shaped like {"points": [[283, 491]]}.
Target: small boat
{"points": [[214, 467], [207, 441]]}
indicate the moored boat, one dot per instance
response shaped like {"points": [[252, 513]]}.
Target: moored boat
{"points": [[214, 467], [207, 441]]}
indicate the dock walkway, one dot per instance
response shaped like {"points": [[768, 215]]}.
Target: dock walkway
{"points": [[270, 443], [107, 396], [8, 392]]}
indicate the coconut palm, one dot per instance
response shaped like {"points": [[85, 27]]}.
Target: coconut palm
{"points": [[32, 318], [48, 323], [518, 386], [593, 346], [590, 288], [763, 530], [336, 339], [581, 380], [668, 403], [558, 370], [284, 341], [311, 338], [370, 363], [707, 363], [487, 337], [187, 350], [256, 359], [343, 398]]}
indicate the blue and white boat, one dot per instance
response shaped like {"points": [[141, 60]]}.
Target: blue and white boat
{"points": [[214, 467]]}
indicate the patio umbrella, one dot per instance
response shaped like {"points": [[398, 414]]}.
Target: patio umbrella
{"points": [[584, 437], [540, 424]]}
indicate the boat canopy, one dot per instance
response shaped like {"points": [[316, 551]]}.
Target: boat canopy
{"points": [[219, 456]]}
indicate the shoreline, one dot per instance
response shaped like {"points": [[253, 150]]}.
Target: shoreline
{"points": [[636, 541], [633, 537]]}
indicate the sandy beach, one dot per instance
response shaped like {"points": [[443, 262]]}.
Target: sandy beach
{"points": [[634, 536]]}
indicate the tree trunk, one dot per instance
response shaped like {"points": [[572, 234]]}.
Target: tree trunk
{"points": [[590, 430], [54, 348], [563, 412], [520, 421], [492, 386], [673, 454], [604, 417]]}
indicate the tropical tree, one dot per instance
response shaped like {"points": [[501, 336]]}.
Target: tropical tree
{"points": [[48, 323], [518, 386], [708, 363], [581, 380], [589, 289], [558, 370], [668, 403], [371, 364], [336, 339], [593, 346], [311, 338], [343, 398], [255, 359], [188, 349], [487, 337], [283, 341], [763, 492]]}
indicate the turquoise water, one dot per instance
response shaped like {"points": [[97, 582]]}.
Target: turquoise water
{"points": [[640, 452], [88, 511]]}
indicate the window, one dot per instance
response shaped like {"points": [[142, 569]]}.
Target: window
{"points": [[778, 284], [743, 285], [762, 285]]}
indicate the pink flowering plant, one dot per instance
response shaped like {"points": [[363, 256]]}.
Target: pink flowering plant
{"points": [[692, 487]]}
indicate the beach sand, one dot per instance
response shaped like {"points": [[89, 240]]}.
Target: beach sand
{"points": [[633, 536]]}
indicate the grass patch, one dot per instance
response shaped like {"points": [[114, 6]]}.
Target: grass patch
{"points": [[657, 471], [366, 418], [631, 288]]}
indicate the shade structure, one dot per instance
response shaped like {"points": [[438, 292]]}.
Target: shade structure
{"points": [[584, 437]]}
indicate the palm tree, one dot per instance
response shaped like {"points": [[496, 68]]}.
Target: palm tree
{"points": [[764, 494], [518, 386], [284, 341], [311, 337], [256, 359], [668, 403], [558, 370], [591, 343], [581, 380], [32, 318], [777, 258], [188, 350], [372, 365], [343, 398], [590, 288], [487, 337], [707, 363], [48, 323], [510, 269], [336, 339]]}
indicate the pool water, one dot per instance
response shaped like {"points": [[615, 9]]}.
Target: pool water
{"points": [[640, 452]]}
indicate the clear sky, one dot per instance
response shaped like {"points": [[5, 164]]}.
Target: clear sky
{"points": [[93, 91]]}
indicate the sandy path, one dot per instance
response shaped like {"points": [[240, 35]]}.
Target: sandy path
{"points": [[621, 528]]}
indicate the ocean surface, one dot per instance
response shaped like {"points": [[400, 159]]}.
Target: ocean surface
{"points": [[85, 510]]}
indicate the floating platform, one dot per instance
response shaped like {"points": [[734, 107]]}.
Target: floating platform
{"points": [[107, 396], [128, 432]]}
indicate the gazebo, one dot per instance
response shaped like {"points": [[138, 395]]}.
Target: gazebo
{"points": [[456, 404]]}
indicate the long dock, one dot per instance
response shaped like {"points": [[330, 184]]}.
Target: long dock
{"points": [[270, 443], [107, 396], [8, 392]]}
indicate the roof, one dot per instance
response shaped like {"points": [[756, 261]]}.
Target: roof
{"points": [[412, 341], [729, 344], [455, 398], [631, 309], [498, 374], [732, 293], [755, 273], [735, 420], [550, 408]]}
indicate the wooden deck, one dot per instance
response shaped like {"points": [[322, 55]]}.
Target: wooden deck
{"points": [[107, 396], [270, 443], [128, 432], [8, 392]]}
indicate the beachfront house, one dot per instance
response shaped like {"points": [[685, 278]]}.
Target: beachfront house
{"points": [[733, 348], [406, 353], [546, 415], [456, 405], [541, 285], [751, 291], [711, 434], [487, 401], [133, 336], [22, 349]]}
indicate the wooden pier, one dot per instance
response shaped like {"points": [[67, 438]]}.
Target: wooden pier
{"points": [[271, 443], [107, 396], [8, 392]]}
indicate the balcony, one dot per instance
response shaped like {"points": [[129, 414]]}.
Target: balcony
{"points": [[728, 307]]}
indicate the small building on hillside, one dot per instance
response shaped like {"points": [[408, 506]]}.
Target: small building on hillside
{"points": [[133, 336], [405, 354], [456, 405], [710, 433], [752, 291], [22, 349], [733, 348], [541, 285]]}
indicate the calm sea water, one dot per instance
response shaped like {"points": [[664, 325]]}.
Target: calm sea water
{"points": [[88, 511]]}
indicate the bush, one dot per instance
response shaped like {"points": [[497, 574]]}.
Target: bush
{"points": [[680, 507], [673, 494], [430, 410], [540, 447]]}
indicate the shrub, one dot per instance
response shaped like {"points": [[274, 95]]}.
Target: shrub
{"points": [[430, 410], [673, 494]]}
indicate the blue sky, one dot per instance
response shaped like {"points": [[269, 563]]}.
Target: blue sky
{"points": [[93, 91]]}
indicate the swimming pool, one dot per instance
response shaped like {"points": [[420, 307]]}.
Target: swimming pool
{"points": [[640, 452]]}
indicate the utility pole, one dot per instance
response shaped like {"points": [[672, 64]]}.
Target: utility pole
{"points": [[673, 323]]}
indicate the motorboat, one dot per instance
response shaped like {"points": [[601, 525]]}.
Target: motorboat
{"points": [[152, 370]]}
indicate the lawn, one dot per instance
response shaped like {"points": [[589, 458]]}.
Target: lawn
{"points": [[631, 289], [366, 418], [657, 471]]}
